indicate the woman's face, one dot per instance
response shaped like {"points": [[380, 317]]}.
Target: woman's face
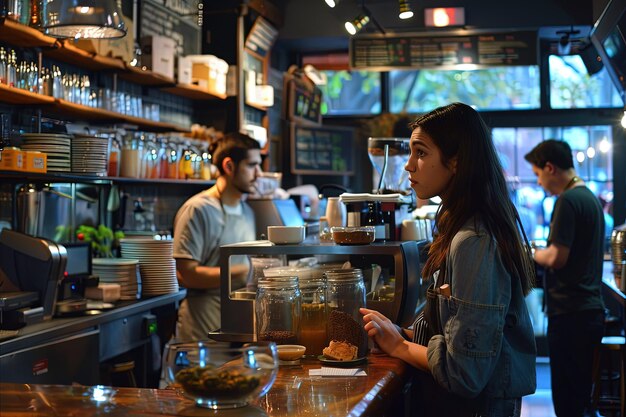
{"points": [[428, 175]]}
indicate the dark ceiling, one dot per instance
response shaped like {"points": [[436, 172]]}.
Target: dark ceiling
{"points": [[310, 25]]}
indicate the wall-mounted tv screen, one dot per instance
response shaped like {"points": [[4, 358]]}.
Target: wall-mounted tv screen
{"points": [[609, 37]]}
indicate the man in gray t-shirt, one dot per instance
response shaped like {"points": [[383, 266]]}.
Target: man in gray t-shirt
{"points": [[212, 218]]}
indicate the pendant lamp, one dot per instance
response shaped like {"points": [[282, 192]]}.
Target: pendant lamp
{"points": [[82, 19]]}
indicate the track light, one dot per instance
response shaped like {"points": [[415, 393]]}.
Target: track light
{"points": [[332, 3], [357, 24], [565, 46], [405, 9]]}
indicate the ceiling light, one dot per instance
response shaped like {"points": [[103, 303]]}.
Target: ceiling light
{"points": [[332, 3], [357, 24], [405, 9], [564, 46], [82, 19], [580, 157], [624, 119]]}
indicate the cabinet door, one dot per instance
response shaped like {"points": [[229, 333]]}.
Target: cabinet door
{"points": [[64, 361]]}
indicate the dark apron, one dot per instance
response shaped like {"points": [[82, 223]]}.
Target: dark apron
{"points": [[431, 399]]}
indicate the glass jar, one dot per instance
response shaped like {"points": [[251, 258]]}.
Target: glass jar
{"points": [[345, 295], [313, 331], [278, 310]]}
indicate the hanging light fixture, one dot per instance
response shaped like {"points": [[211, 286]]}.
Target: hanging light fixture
{"points": [[354, 26], [405, 9], [82, 19], [332, 3]]}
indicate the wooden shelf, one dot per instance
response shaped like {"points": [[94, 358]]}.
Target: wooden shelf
{"points": [[13, 95], [146, 77], [71, 54], [24, 36], [194, 92], [92, 179]]}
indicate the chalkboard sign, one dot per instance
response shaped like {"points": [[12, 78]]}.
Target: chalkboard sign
{"points": [[324, 150], [304, 101], [377, 52]]}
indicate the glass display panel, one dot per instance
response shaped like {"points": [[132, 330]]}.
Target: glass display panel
{"points": [[351, 93], [498, 88], [571, 86]]}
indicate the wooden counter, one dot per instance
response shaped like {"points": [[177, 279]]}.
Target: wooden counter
{"points": [[293, 394]]}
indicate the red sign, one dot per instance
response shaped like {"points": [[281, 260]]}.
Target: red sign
{"points": [[40, 367]]}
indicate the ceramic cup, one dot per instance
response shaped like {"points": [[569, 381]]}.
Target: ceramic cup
{"points": [[411, 230], [336, 213]]}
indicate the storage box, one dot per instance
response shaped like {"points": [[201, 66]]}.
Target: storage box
{"points": [[36, 162], [158, 54], [12, 159], [209, 71], [184, 70]]}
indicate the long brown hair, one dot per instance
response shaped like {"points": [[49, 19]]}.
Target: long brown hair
{"points": [[478, 190]]}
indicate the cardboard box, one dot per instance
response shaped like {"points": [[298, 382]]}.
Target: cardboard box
{"points": [[157, 54], [209, 71], [184, 70], [36, 162], [12, 159]]}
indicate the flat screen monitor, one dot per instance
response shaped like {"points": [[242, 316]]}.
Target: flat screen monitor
{"points": [[609, 37]]}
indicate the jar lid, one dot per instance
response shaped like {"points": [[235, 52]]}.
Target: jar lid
{"points": [[348, 274], [278, 282]]}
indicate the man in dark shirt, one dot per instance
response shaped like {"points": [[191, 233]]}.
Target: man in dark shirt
{"points": [[573, 259]]}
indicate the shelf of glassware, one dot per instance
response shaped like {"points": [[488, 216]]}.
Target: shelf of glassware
{"points": [[64, 50], [73, 111]]}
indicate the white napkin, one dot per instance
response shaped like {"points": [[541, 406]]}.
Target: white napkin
{"points": [[328, 371]]}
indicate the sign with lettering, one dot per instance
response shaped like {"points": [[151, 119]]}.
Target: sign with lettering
{"points": [[376, 52], [323, 150]]}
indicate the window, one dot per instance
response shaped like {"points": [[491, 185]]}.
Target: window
{"points": [[591, 148], [572, 87], [499, 88], [351, 93]]}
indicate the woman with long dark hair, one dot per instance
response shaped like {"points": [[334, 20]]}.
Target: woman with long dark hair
{"points": [[473, 344]]}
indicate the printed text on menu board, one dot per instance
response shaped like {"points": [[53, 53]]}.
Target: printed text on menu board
{"points": [[416, 51]]}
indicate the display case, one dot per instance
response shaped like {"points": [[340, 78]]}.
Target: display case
{"points": [[392, 274]]}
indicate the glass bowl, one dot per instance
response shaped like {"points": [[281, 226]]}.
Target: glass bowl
{"points": [[356, 235], [218, 376]]}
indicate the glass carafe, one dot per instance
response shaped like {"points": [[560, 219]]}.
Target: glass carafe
{"points": [[345, 295], [313, 330], [131, 157], [388, 157], [278, 310]]}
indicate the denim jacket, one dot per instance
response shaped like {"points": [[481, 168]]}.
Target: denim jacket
{"points": [[488, 343]]}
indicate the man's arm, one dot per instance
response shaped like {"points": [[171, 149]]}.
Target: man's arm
{"points": [[191, 274], [554, 256]]}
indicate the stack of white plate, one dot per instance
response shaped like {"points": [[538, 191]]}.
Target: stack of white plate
{"points": [[56, 146], [119, 271], [90, 155], [156, 264]]}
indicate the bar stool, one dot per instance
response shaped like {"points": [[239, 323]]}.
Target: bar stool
{"points": [[609, 402]]}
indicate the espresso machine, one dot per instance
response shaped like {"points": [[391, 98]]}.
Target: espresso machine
{"points": [[391, 275]]}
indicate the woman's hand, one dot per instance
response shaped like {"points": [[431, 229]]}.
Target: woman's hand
{"points": [[382, 331]]}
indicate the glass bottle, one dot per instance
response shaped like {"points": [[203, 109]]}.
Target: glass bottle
{"points": [[114, 158], [313, 330], [3, 66], [374, 217], [345, 295], [35, 14], [278, 310]]}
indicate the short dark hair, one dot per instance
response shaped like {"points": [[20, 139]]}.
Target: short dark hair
{"points": [[557, 152], [234, 145]]}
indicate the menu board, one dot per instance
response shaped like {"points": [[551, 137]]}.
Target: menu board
{"points": [[305, 105], [320, 150], [417, 51]]}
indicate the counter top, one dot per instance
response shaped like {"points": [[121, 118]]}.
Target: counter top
{"points": [[294, 393], [62, 326]]}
